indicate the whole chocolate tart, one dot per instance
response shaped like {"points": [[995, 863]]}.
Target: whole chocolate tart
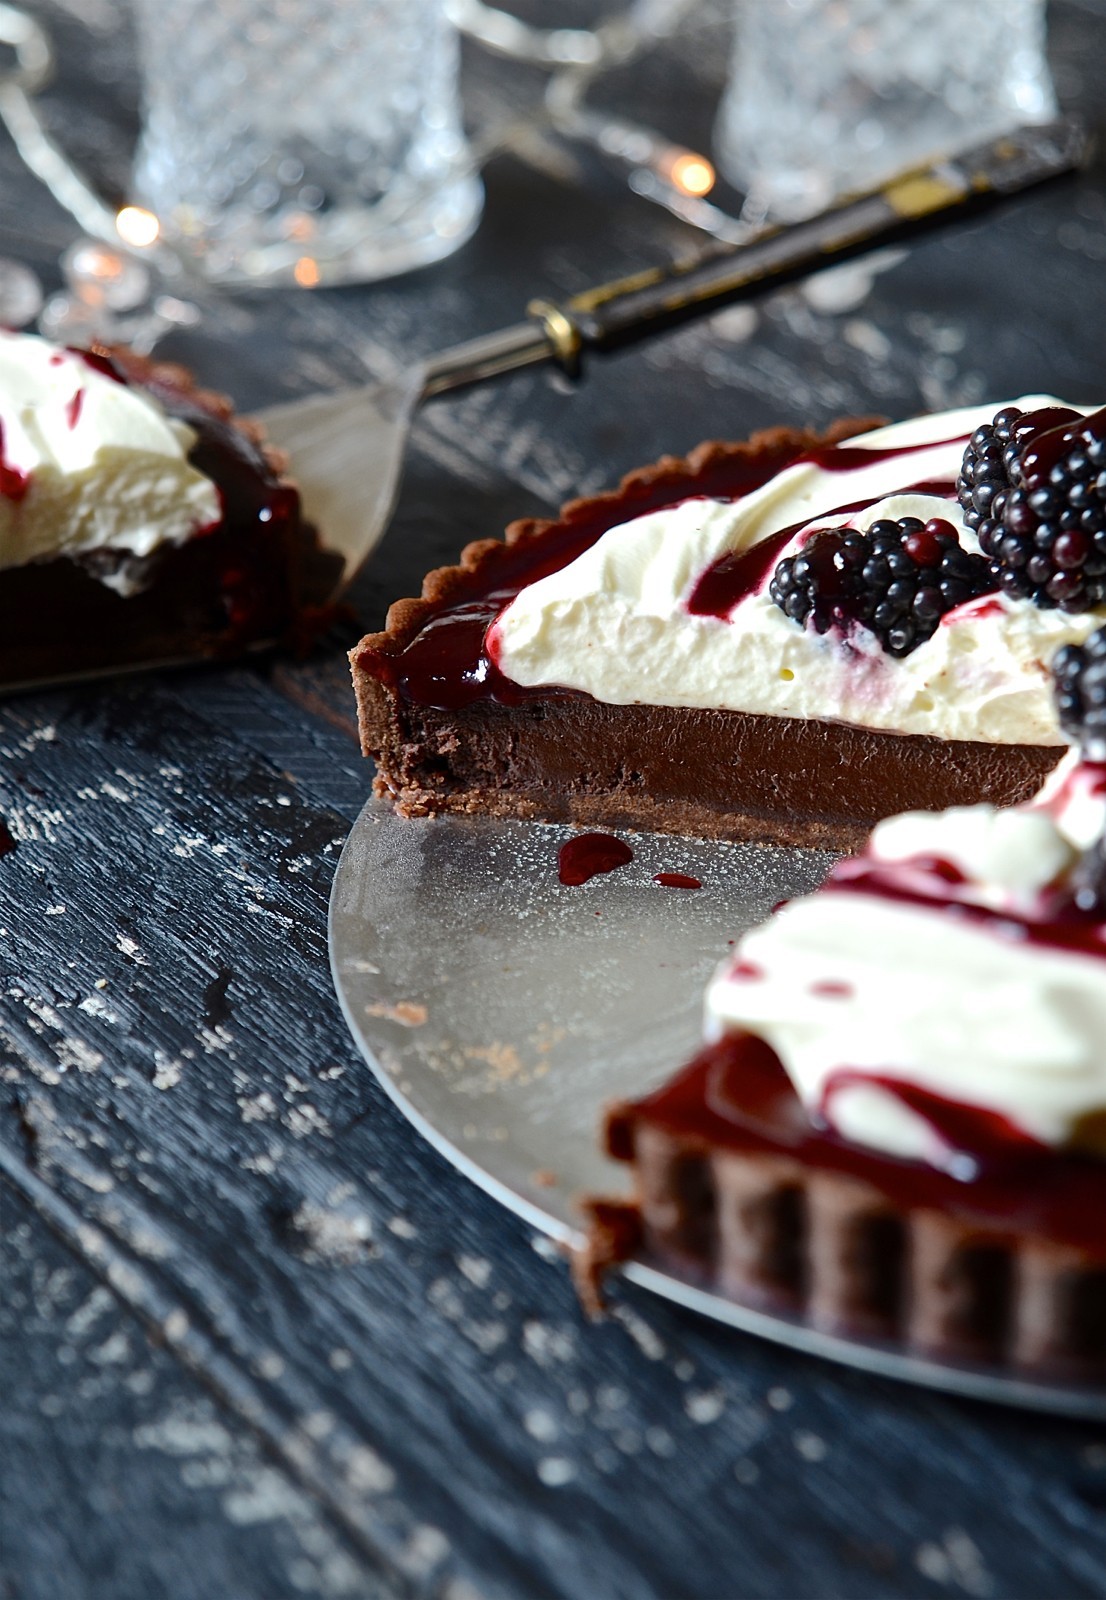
{"points": [[450, 733], [241, 581]]}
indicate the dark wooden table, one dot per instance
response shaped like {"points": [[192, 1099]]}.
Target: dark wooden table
{"points": [[256, 1339]]}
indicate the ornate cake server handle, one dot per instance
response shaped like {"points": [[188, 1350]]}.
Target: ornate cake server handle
{"points": [[647, 302], [346, 449]]}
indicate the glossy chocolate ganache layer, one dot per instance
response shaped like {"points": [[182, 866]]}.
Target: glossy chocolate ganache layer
{"points": [[450, 732]]}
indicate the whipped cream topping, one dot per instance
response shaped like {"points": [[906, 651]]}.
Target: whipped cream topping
{"points": [[615, 622], [89, 464], [943, 959]]}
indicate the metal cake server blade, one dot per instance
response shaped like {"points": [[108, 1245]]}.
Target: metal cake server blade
{"points": [[345, 452]]}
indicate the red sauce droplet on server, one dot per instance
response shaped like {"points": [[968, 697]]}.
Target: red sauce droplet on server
{"points": [[676, 880], [73, 408], [589, 854], [832, 989]]}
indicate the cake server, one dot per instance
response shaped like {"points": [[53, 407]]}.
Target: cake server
{"points": [[346, 449]]}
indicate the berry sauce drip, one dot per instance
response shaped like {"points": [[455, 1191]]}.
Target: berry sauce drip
{"points": [[1059, 923], [748, 970], [73, 408], [735, 576], [738, 574], [100, 361], [897, 580], [971, 1136], [14, 483], [250, 492], [848, 458], [588, 854], [736, 1094], [1033, 489], [676, 880]]}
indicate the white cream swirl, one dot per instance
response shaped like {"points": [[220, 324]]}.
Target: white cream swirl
{"points": [[873, 987], [615, 624], [89, 464]]}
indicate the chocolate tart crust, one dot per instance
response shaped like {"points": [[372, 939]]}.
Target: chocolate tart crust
{"points": [[563, 756], [776, 1233]]}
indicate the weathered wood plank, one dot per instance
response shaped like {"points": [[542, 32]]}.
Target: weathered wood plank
{"points": [[270, 1212]]}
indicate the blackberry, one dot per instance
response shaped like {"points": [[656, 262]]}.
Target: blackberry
{"points": [[1086, 888], [1045, 532], [898, 580], [1079, 688], [984, 482]]}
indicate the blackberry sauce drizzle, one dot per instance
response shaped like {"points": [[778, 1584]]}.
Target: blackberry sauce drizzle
{"points": [[1060, 924], [1049, 448], [452, 661], [738, 574], [847, 458], [736, 1095]]}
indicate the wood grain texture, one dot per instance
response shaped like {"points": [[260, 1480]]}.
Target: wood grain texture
{"points": [[256, 1339]]}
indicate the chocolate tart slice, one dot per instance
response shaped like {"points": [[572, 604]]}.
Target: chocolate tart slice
{"points": [[736, 1189], [244, 579], [450, 733]]}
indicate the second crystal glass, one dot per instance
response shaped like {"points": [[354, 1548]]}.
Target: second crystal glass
{"points": [[304, 141], [828, 97]]}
